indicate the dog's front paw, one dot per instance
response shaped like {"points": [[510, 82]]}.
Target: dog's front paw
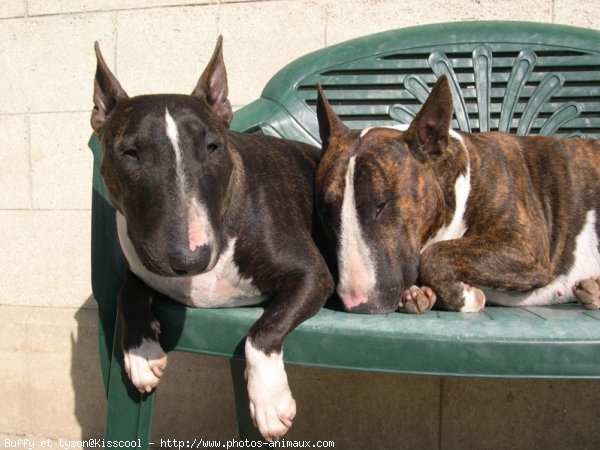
{"points": [[272, 409], [417, 300], [272, 406], [145, 364], [588, 292], [473, 299]]}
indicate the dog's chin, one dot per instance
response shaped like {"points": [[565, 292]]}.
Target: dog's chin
{"points": [[372, 308], [155, 267]]}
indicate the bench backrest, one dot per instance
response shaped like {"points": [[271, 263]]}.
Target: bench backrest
{"points": [[518, 77]]}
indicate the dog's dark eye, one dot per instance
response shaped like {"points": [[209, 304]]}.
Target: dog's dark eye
{"points": [[212, 147], [131, 153], [380, 208]]}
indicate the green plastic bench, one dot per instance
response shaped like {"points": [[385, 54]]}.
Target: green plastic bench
{"points": [[524, 78]]}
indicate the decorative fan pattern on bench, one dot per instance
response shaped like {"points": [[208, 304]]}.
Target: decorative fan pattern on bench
{"points": [[532, 91]]}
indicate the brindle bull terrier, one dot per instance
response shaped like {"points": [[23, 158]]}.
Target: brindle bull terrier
{"points": [[474, 217], [210, 218]]}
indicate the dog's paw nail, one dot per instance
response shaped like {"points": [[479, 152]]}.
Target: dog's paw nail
{"points": [[286, 421]]}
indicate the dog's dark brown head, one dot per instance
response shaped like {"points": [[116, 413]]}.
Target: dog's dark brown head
{"points": [[379, 199], [167, 167]]}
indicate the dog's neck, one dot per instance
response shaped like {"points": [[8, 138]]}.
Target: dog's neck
{"points": [[452, 172], [234, 196]]}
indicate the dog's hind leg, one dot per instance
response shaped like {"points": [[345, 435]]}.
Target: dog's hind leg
{"points": [[588, 292]]}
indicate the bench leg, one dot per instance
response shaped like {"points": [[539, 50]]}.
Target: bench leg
{"points": [[129, 413]]}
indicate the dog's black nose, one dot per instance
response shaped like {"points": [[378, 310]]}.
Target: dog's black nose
{"points": [[185, 262]]}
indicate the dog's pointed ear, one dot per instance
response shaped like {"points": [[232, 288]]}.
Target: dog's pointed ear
{"points": [[427, 136], [212, 85], [107, 92], [330, 124]]}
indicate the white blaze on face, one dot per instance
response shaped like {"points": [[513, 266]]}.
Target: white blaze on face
{"points": [[357, 270], [199, 230], [198, 225], [173, 135]]}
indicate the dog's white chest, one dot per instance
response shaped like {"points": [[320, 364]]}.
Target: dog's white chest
{"points": [[223, 286]]}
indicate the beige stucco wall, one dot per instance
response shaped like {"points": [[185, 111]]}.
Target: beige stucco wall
{"points": [[50, 382]]}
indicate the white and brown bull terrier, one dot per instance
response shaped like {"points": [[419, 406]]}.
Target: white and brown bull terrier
{"points": [[473, 217], [210, 218]]}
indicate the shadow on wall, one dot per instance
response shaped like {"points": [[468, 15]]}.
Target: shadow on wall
{"points": [[86, 376], [195, 398]]}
